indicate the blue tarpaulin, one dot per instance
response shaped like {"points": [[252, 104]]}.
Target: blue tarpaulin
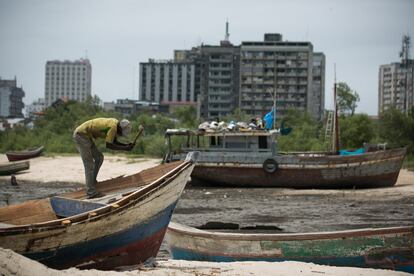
{"points": [[268, 118], [354, 152]]}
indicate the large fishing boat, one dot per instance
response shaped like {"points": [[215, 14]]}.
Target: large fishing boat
{"points": [[251, 159]]}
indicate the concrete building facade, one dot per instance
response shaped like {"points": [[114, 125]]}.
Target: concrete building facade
{"points": [[395, 87], [318, 85], [276, 69], [35, 108], [167, 82], [11, 99], [67, 80], [225, 77], [219, 80], [129, 107]]}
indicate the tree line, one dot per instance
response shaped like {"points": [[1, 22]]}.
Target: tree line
{"points": [[55, 128]]}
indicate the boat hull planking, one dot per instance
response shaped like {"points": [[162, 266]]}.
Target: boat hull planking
{"points": [[379, 169], [386, 248]]}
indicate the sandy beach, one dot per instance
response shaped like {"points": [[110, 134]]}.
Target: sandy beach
{"points": [[15, 264], [70, 168], [286, 209]]}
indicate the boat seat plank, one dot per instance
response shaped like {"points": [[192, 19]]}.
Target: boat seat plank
{"points": [[65, 207], [32, 211]]}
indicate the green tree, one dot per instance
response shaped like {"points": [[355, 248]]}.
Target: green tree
{"points": [[305, 135], [238, 116], [187, 115], [397, 128], [347, 99], [355, 130], [54, 130]]}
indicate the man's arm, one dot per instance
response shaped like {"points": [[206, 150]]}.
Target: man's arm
{"points": [[120, 146]]}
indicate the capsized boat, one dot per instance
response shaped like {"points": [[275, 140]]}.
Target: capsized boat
{"points": [[386, 248], [24, 154], [250, 159], [124, 227]]}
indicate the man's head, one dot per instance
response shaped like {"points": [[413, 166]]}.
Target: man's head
{"points": [[125, 127]]}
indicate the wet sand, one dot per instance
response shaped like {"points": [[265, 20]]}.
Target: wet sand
{"points": [[283, 210]]}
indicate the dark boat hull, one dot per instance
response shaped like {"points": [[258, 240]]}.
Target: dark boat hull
{"points": [[130, 246], [23, 155], [378, 169]]}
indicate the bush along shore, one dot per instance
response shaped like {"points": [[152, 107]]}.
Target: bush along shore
{"points": [[54, 129]]}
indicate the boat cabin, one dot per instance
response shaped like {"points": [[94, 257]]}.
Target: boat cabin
{"points": [[182, 141]]}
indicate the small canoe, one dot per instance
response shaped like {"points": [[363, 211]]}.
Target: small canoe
{"points": [[386, 248], [13, 167], [124, 227], [24, 154]]}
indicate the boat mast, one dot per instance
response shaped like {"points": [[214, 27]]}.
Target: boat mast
{"points": [[274, 92], [335, 142], [405, 57]]}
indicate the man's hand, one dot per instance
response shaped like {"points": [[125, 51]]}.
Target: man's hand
{"points": [[130, 146], [120, 146]]}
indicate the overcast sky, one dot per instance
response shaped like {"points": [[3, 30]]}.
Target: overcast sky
{"points": [[116, 35]]}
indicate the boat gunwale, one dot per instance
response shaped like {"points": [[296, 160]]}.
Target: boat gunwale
{"points": [[14, 163], [318, 156], [179, 229], [302, 165], [324, 160], [102, 212]]}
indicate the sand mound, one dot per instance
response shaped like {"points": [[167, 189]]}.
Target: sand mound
{"points": [[12, 263]]}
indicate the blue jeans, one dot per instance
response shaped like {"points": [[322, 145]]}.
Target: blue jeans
{"points": [[92, 160]]}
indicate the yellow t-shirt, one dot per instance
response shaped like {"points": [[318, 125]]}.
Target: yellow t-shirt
{"points": [[99, 128]]}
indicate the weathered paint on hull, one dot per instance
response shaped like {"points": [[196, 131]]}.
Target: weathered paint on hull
{"points": [[127, 234], [131, 246], [13, 167], [388, 248], [395, 262], [354, 172]]}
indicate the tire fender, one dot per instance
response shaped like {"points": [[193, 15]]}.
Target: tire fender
{"points": [[270, 165]]}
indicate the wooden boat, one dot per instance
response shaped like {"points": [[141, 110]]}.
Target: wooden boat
{"points": [[124, 227], [250, 159], [13, 167], [25, 154], [387, 248]]}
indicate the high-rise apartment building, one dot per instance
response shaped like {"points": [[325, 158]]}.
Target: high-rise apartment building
{"points": [[318, 85], [284, 71], [69, 80], [11, 99], [167, 81], [219, 80], [395, 88], [225, 77]]}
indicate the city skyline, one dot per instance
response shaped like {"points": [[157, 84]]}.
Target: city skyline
{"points": [[117, 35]]}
